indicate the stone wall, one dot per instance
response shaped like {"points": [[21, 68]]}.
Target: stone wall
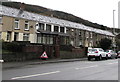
{"points": [[75, 53]]}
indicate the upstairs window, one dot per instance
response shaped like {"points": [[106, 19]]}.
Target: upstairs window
{"points": [[62, 29], [16, 24], [41, 26], [87, 34], [72, 30], [26, 25], [56, 28], [67, 30], [48, 27], [91, 35], [80, 33]]}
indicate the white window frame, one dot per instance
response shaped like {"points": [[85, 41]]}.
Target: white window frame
{"points": [[26, 35], [72, 30], [87, 34], [91, 35], [16, 21], [26, 23]]}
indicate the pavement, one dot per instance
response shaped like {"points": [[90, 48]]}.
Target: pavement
{"points": [[8, 65]]}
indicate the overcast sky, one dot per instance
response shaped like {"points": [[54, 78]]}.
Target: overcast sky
{"points": [[97, 11]]}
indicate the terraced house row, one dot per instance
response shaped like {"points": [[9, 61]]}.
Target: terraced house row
{"points": [[20, 25]]}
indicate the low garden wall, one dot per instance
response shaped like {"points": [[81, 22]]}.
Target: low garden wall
{"points": [[20, 51], [72, 52], [9, 57]]}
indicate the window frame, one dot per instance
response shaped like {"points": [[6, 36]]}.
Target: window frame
{"points": [[62, 29], [41, 26], [26, 35], [56, 28], [16, 21], [48, 29], [26, 23]]}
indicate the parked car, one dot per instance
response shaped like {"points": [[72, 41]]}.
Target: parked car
{"points": [[111, 54], [118, 54], [97, 53]]}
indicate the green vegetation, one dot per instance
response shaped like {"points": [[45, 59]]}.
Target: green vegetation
{"points": [[118, 42], [105, 43]]}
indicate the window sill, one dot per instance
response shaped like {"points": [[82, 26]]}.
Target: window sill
{"points": [[26, 30], [17, 29]]}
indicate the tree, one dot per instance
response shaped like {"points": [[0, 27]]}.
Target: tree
{"points": [[118, 41], [105, 43]]}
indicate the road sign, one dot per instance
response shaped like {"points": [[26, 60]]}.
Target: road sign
{"points": [[44, 55]]}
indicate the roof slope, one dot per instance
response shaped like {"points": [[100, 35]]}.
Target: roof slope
{"points": [[53, 13]]}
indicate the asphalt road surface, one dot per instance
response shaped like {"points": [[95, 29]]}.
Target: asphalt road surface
{"points": [[78, 70]]}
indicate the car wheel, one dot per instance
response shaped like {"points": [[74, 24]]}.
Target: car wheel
{"points": [[116, 57], [106, 57], [100, 57], [89, 58]]}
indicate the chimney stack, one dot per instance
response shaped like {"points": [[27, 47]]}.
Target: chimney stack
{"points": [[22, 7]]}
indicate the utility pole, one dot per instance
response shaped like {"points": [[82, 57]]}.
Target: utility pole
{"points": [[114, 21], [114, 29]]}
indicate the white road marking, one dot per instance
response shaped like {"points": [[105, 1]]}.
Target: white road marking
{"points": [[89, 62], [86, 67], [35, 75], [113, 63]]}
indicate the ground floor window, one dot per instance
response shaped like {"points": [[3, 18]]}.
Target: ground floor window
{"points": [[64, 40], [39, 39], [72, 41], [80, 43], [44, 39], [25, 37], [52, 39], [90, 43]]}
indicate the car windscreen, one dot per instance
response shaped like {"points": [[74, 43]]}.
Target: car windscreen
{"points": [[92, 50]]}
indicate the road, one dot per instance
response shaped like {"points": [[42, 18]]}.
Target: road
{"points": [[78, 70]]}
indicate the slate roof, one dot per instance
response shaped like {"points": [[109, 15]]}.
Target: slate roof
{"points": [[13, 12]]}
